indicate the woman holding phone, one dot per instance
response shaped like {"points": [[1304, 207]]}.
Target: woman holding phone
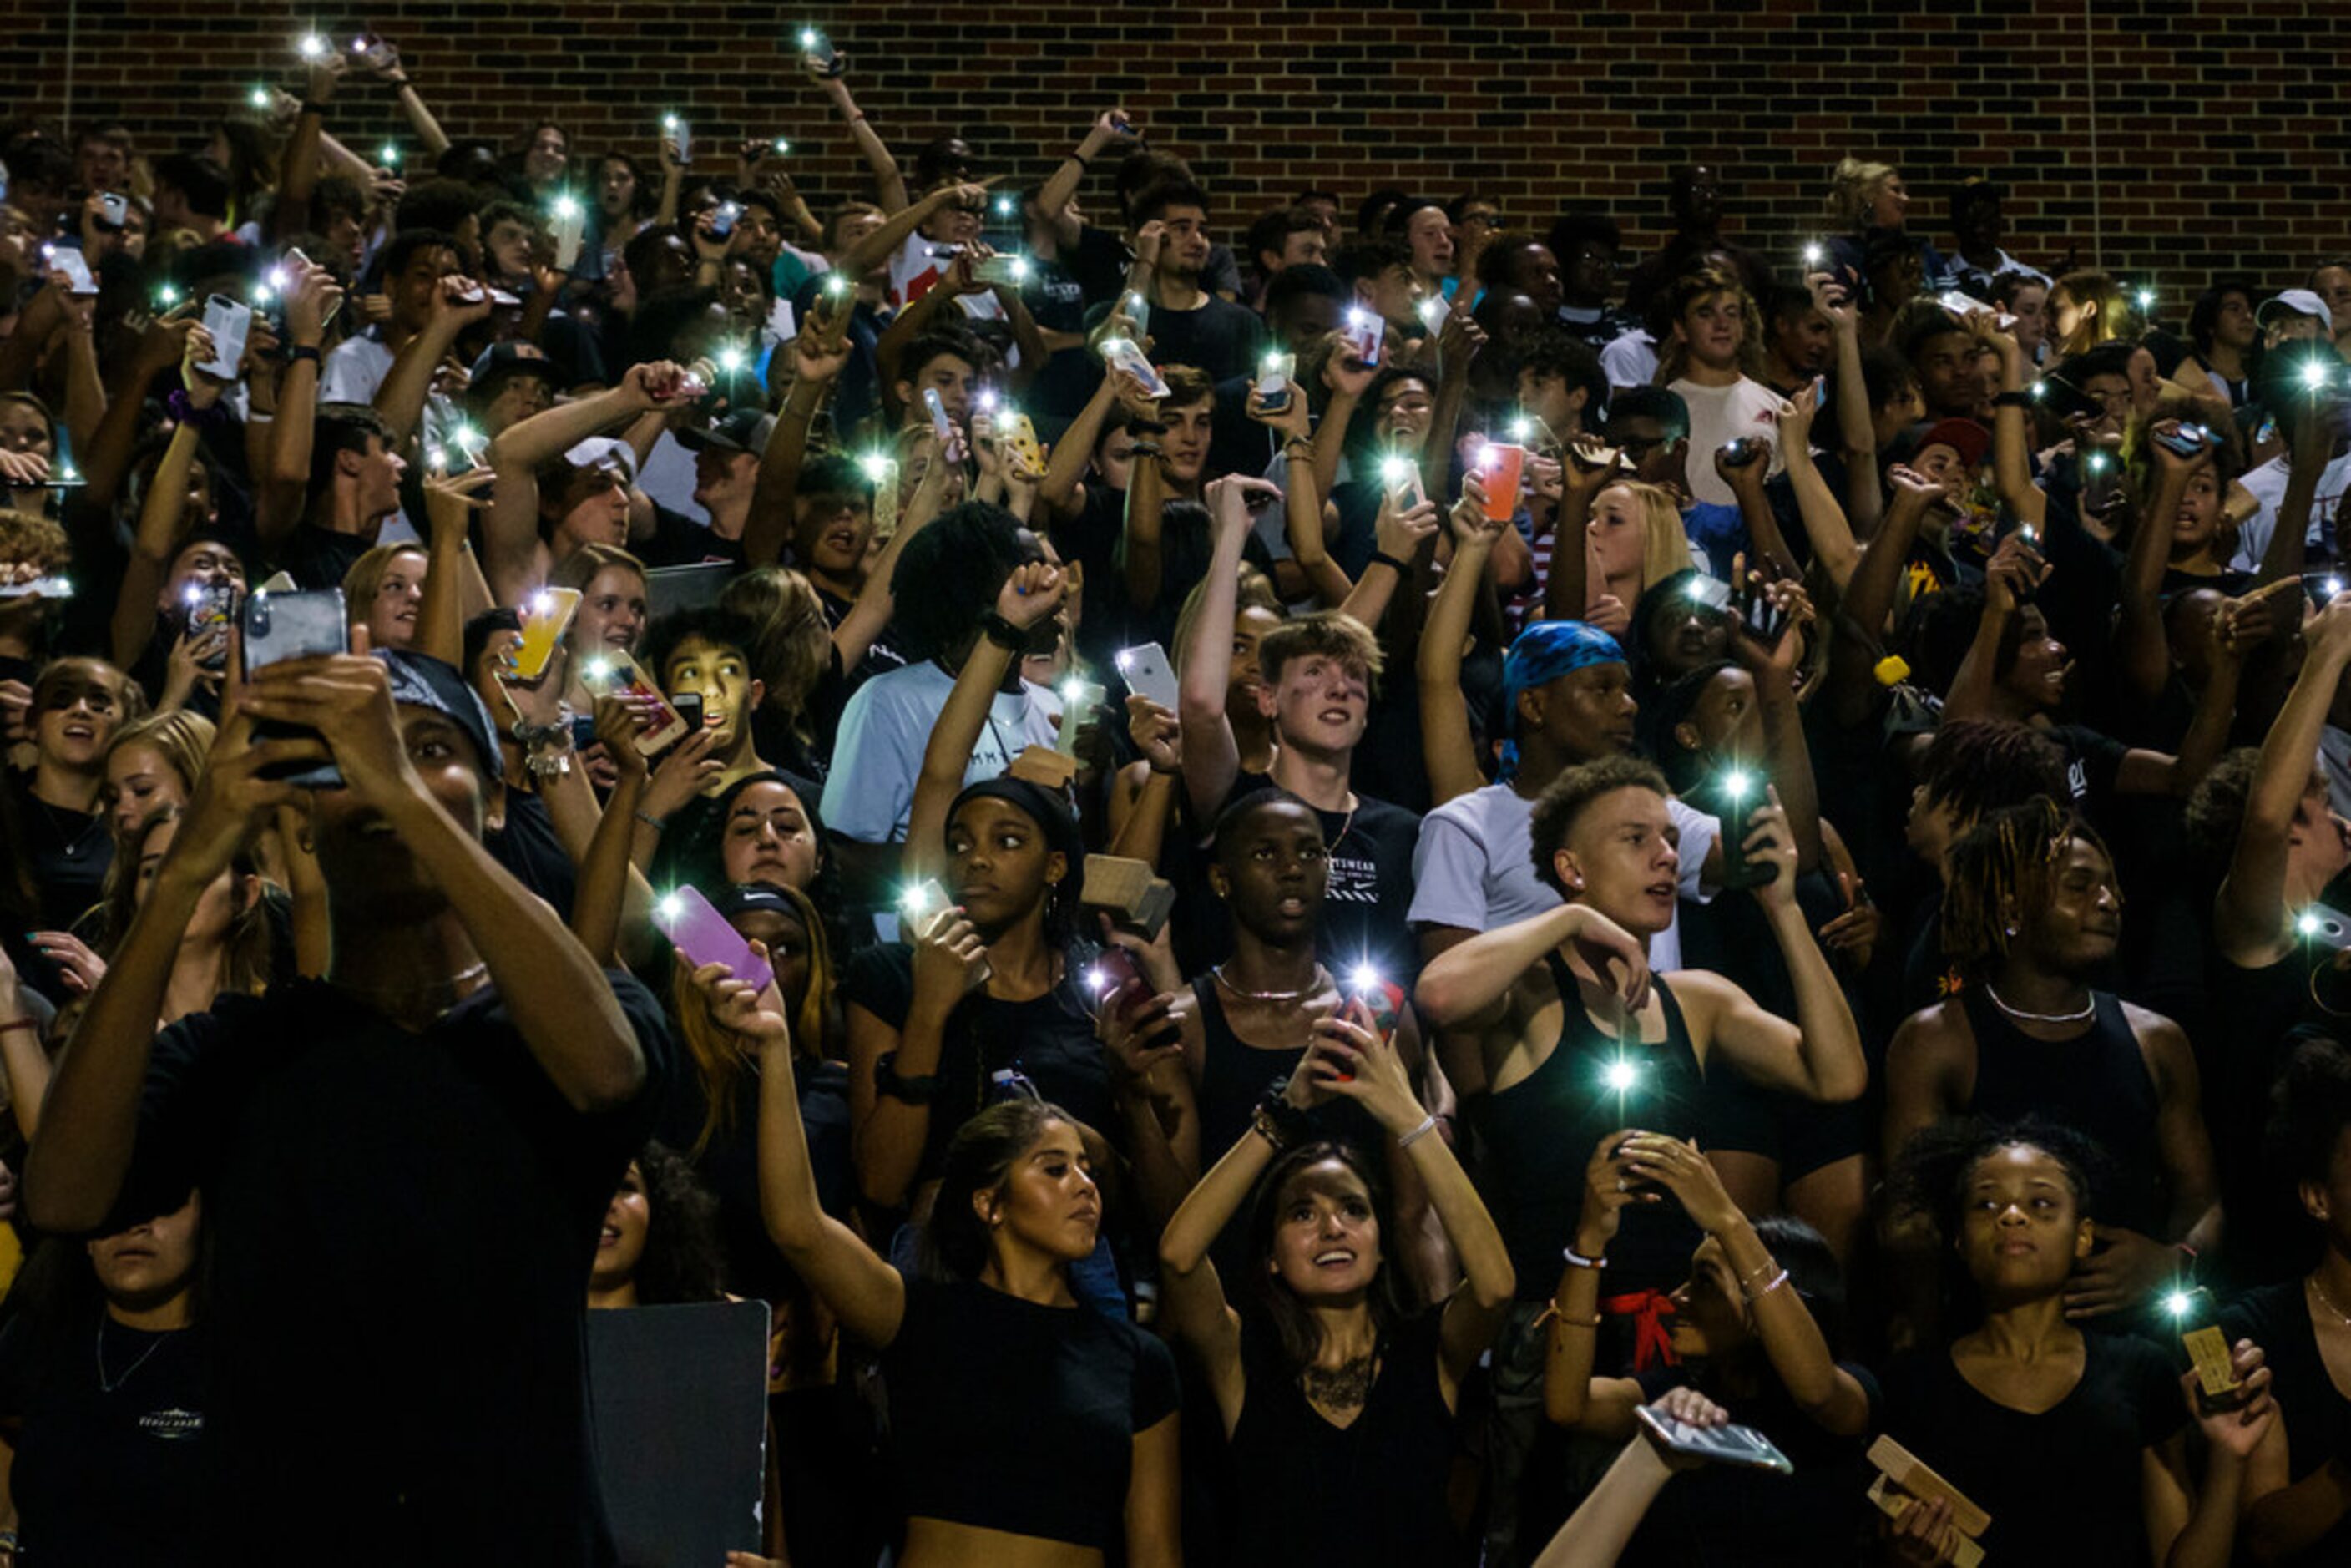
{"points": [[1029, 1430], [2101, 1415], [1753, 1327], [1337, 1400]]}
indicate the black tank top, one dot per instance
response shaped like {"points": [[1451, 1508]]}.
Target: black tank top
{"points": [[2097, 1083], [1369, 1494], [1235, 1075], [1541, 1132]]}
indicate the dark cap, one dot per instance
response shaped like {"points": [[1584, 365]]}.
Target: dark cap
{"points": [[1971, 441], [422, 681], [501, 362], [741, 430]]}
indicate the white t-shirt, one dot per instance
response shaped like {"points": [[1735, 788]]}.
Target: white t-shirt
{"points": [[1716, 416], [2267, 486], [1631, 360], [1474, 867], [913, 270], [354, 369], [870, 793], [666, 477]]}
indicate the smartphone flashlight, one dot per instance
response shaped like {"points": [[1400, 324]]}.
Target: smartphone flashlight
{"points": [[1814, 254], [918, 900], [1620, 1074], [875, 466], [2313, 375], [310, 47], [1735, 784], [566, 207], [669, 123], [782, 146], [2147, 299], [807, 38], [258, 98], [2098, 461], [166, 296], [2039, 390], [1006, 206], [1364, 980], [1522, 430], [731, 359], [835, 284], [1433, 311], [389, 156], [599, 669], [670, 907]]}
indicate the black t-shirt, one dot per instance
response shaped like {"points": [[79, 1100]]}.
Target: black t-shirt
{"points": [[1370, 889], [1048, 1041], [2317, 1415], [728, 1165], [1009, 1415], [1219, 337], [65, 852], [316, 558], [402, 1228], [1089, 536], [2062, 1488], [678, 540], [1097, 262], [1725, 1514], [527, 846], [110, 1460]]}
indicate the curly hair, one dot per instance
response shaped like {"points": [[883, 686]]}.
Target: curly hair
{"points": [[1570, 794], [27, 539], [1930, 1176], [2008, 859], [1854, 185], [2216, 810], [681, 1260], [949, 574], [1674, 302]]}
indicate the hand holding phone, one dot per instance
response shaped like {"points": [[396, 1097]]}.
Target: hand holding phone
{"points": [[695, 928], [279, 627], [1147, 674]]}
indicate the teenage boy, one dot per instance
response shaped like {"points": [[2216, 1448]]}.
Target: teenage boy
{"points": [[409, 269], [1711, 342], [428, 1139], [725, 471], [1314, 683], [1583, 247], [1189, 325]]}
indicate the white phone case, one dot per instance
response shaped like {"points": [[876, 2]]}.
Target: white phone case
{"points": [[1148, 673], [228, 320]]}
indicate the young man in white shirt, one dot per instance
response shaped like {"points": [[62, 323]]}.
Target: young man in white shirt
{"points": [[1713, 342]]}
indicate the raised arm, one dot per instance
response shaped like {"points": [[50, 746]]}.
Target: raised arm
{"points": [[819, 354], [88, 1121], [1825, 524], [2248, 913], [2313, 448], [401, 398], [1471, 980], [877, 596], [1211, 756], [889, 184], [1029, 595], [158, 534], [1569, 587], [448, 516], [1061, 187], [2011, 465], [510, 536], [420, 119], [311, 303], [2142, 650], [1857, 433], [1448, 748], [1787, 754], [1869, 598], [1817, 1056]]}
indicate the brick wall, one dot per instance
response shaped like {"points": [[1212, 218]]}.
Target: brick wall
{"points": [[2216, 123]]}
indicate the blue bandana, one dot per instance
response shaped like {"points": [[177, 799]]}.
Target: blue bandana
{"points": [[1544, 652]]}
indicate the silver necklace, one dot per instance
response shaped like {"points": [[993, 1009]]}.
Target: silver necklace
{"points": [[1312, 987], [137, 1361], [2327, 1300], [2089, 1011], [71, 846]]}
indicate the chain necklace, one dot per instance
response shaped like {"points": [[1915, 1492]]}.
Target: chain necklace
{"points": [[2088, 1011], [137, 1361], [71, 846], [1313, 987], [1340, 1387], [2327, 1300]]}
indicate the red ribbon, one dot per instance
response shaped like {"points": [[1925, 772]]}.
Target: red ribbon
{"points": [[1653, 1343]]}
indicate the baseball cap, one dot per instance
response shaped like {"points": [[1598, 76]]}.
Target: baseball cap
{"points": [[604, 452], [422, 681], [501, 362], [741, 430], [1971, 441], [2301, 302]]}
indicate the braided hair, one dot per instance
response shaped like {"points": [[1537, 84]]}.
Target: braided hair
{"points": [[2006, 860]]}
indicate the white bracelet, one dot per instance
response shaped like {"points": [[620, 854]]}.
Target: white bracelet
{"points": [[1578, 1260], [1428, 1126]]}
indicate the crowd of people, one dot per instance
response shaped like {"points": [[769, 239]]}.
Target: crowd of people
{"points": [[1370, 883]]}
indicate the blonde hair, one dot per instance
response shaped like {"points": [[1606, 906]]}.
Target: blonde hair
{"points": [[184, 738], [793, 643], [1665, 547], [719, 1062], [31, 539], [364, 580], [1854, 185], [1252, 591]]}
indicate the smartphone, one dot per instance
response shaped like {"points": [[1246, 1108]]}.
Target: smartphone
{"points": [[1148, 673], [2188, 441], [2323, 927], [2322, 587], [228, 320], [817, 50], [999, 268], [1365, 984], [208, 606], [1121, 125], [1739, 793], [941, 425], [1273, 381], [583, 731], [723, 221], [1402, 477], [545, 620], [1711, 593], [1123, 355], [69, 260], [1079, 698], [378, 54], [1137, 309], [1019, 435], [1730, 1445], [1963, 304], [1432, 312], [1761, 616], [697, 930], [614, 673], [681, 135], [301, 625], [295, 261], [1116, 983], [113, 210], [570, 221], [1364, 334], [1741, 451], [1531, 431], [689, 708], [1500, 465]]}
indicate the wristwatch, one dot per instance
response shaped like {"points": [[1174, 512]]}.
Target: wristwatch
{"points": [[912, 1091]]}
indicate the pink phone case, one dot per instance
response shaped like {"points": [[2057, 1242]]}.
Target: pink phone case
{"points": [[702, 934]]}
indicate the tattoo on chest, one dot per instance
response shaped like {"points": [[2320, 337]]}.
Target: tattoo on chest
{"points": [[1340, 1387]]}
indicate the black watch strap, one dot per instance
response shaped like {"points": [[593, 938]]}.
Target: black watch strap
{"points": [[912, 1091]]}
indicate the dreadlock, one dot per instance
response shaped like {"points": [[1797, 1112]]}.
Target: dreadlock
{"points": [[1979, 766], [2005, 862]]}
